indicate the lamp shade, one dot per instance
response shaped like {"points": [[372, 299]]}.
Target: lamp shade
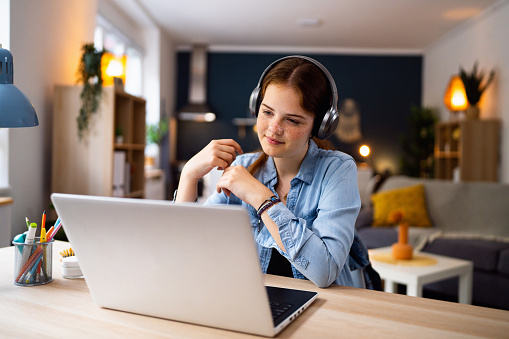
{"points": [[455, 98], [15, 108], [113, 67]]}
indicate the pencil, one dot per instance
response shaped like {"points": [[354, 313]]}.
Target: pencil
{"points": [[43, 222]]}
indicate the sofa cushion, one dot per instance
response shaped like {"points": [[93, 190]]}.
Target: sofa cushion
{"points": [[483, 253], [503, 261], [461, 207], [410, 200]]}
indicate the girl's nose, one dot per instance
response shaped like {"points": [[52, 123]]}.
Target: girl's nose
{"points": [[275, 127]]}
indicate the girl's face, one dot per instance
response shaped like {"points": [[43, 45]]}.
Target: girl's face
{"points": [[284, 127]]}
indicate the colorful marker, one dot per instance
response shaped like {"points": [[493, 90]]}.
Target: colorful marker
{"points": [[28, 240], [43, 227]]}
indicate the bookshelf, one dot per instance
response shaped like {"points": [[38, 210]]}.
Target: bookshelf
{"points": [[470, 147], [87, 166]]}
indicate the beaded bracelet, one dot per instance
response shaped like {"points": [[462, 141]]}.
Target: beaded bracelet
{"points": [[266, 201], [266, 204]]}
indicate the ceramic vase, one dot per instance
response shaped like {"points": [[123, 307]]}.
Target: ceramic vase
{"points": [[402, 250]]}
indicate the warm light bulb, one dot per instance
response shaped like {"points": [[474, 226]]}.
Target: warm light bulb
{"points": [[115, 68], [209, 117], [455, 98], [458, 99], [364, 150]]}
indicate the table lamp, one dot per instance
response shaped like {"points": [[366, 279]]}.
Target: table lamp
{"points": [[455, 98], [15, 108]]}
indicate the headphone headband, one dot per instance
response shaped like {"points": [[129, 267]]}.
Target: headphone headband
{"points": [[330, 120]]}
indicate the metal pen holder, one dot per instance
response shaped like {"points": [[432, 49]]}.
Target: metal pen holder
{"points": [[33, 263]]}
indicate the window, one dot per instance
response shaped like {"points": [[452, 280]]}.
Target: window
{"points": [[108, 37]]}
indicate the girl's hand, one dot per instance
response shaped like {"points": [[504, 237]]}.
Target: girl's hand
{"points": [[237, 180], [218, 153]]}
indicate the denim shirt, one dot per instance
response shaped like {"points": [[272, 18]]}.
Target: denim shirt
{"points": [[317, 224]]}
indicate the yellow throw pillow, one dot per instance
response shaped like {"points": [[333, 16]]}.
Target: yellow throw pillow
{"points": [[410, 200]]}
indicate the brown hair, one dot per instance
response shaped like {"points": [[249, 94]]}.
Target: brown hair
{"points": [[308, 79]]}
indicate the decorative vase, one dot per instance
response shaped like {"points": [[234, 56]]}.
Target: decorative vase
{"points": [[402, 250], [152, 151], [472, 112]]}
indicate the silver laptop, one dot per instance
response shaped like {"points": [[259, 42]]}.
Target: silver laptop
{"points": [[185, 262]]}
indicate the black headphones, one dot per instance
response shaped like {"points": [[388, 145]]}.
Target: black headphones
{"points": [[330, 120]]}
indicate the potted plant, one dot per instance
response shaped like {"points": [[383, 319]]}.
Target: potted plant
{"points": [[119, 135], [474, 88], [419, 142], [90, 75], [154, 135]]}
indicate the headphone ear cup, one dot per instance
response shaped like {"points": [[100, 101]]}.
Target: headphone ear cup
{"points": [[253, 101], [329, 124]]}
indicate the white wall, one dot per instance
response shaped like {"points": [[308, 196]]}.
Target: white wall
{"points": [[46, 38], [482, 39]]}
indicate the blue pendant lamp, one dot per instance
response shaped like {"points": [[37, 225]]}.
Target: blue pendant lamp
{"points": [[15, 108]]}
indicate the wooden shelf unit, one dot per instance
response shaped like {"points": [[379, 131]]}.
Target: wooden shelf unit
{"points": [[471, 146], [86, 166]]}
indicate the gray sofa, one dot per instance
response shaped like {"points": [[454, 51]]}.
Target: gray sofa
{"points": [[470, 221]]}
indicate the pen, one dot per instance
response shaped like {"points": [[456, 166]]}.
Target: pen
{"points": [[28, 224], [50, 231], [36, 255], [58, 224]]}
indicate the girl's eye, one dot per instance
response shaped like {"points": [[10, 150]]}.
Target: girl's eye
{"points": [[267, 112], [293, 121]]}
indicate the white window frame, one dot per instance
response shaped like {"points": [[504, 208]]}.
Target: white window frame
{"points": [[134, 83]]}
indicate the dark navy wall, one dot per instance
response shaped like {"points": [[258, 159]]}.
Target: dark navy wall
{"points": [[385, 87]]}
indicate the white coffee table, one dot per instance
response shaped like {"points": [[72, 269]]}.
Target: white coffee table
{"points": [[414, 277]]}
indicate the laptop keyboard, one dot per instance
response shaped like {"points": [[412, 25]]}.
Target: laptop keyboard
{"points": [[279, 309]]}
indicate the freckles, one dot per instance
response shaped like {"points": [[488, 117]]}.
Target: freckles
{"points": [[297, 133]]}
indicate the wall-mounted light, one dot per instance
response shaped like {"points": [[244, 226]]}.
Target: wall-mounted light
{"points": [[16, 110], [113, 66], [455, 98], [197, 116], [364, 150]]}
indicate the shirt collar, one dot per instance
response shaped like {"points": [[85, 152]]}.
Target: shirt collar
{"points": [[306, 171]]}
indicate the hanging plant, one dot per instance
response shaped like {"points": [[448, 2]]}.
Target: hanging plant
{"points": [[90, 76]]}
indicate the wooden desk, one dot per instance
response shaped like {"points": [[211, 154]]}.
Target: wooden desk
{"points": [[65, 308]]}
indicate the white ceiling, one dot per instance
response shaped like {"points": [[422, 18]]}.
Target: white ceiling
{"points": [[404, 25]]}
